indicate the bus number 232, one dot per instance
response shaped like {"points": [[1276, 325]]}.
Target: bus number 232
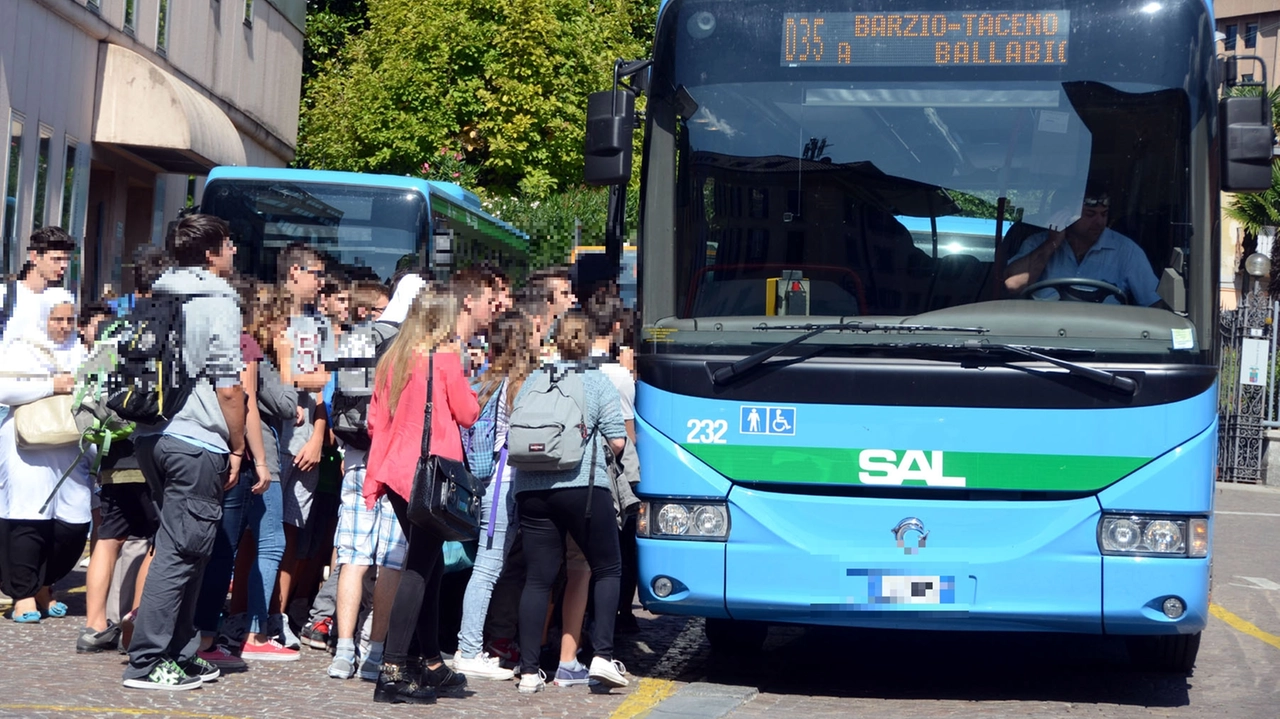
{"points": [[707, 431]]}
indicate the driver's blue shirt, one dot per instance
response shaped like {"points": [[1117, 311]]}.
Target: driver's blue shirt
{"points": [[1113, 258]]}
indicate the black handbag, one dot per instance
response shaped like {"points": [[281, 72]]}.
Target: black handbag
{"points": [[445, 498]]}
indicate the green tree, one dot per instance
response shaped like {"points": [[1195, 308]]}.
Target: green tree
{"points": [[505, 80], [330, 24], [1254, 211]]}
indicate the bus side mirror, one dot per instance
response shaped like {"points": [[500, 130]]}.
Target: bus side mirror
{"points": [[611, 119], [1247, 143]]}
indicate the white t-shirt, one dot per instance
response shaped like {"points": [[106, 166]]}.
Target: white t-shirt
{"points": [[26, 312], [625, 383]]}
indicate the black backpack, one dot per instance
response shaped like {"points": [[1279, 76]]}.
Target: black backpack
{"points": [[149, 382], [358, 353]]}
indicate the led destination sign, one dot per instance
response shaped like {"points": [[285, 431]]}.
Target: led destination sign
{"points": [[940, 39]]}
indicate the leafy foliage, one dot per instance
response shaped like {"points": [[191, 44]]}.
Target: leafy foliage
{"points": [[974, 206], [553, 223], [504, 81], [330, 24]]}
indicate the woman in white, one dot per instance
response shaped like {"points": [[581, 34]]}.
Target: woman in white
{"points": [[40, 545]]}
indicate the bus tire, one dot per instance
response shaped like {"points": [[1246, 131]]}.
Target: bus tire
{"points": [[1169, 653], [730, 636]]}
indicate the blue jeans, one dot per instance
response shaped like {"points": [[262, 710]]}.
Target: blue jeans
{"points": [[488, 565], [263, 514]]}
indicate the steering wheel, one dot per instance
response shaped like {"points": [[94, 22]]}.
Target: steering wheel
{"points": [[1070, 288]]}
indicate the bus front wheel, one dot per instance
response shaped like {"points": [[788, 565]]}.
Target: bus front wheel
{"points": [[730, 636], [1173, 653]]}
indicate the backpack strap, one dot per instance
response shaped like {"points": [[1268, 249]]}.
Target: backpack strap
{"points": [[10, 299], [591, 477], [497, 487]]}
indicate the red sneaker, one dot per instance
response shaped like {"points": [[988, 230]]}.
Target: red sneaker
{"points": [[506, 650], [221, 657], [272, 651], [316, 634]]}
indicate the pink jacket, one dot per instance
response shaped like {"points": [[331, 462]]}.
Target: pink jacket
{"points": [[397, 440]]}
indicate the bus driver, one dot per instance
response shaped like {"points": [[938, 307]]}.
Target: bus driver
{"points": [[1086, 248]]}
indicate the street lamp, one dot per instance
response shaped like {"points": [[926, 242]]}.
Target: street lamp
{"points": [[1258, 266]]}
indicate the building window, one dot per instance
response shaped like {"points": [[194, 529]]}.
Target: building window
{"points": [[68, 185], [248, 13], [94, 5], [11, 191], [1251, 35], [41, 201], [1246, 78], [130, 15], [162, 27], [1230, 42]]}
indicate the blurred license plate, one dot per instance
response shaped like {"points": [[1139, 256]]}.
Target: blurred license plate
{"points": [[902, 589]]}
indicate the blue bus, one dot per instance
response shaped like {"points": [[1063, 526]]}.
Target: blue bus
{"points": [[839, 423], [373, 225]]}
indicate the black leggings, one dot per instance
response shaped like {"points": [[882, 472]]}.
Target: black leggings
{"points": [[39, 552], [545, 516], [417, 605]]}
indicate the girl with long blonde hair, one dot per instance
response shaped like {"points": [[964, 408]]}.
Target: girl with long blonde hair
{"points": [[427, 345]]}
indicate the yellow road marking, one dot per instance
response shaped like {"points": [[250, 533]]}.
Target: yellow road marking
{"points": [[1242, 626], [645, 697], [114, 710]]}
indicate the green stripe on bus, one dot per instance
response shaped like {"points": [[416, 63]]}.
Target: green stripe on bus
{"points": [[481, 224], [972, 470]]}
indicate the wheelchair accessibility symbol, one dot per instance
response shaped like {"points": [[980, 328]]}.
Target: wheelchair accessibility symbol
{"points": [[767, 420]]}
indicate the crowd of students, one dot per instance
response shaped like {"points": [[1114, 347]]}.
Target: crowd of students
{"points": [[257, 494]]}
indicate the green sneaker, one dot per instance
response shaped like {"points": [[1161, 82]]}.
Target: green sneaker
{"points": [[165, 676]]}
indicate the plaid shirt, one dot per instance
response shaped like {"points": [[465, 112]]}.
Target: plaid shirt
{"points": [[487, 436]]}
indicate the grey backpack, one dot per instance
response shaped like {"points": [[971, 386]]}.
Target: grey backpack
{"points": [[548, 424]]}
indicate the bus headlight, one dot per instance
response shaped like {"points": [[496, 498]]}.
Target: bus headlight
{"points": [[683, 520], [1159, 536]]}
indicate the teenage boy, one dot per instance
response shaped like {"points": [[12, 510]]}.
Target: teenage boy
{"points": [[190, 460], [301, 352], [366, 537], [477, 291], [48, 255]]}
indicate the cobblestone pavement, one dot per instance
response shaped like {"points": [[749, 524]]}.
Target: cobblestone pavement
{"points": [[813, 673], [41, 675]]}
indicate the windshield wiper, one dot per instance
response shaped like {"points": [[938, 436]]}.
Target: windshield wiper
{"points": [[1106, 378], [725, 375]]}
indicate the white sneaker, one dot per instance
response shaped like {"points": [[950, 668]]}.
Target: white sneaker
{"points": [[482, 666], [533, 683], [278, 626], [608, 672]]}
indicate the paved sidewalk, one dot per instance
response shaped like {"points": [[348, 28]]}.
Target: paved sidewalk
{"points": [[43, 676]]}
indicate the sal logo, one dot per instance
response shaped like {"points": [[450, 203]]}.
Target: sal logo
{"points": [[767, 420]]}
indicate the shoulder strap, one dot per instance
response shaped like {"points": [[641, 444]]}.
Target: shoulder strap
{"points": [[426, 423], [591, 477], [10, 299]]}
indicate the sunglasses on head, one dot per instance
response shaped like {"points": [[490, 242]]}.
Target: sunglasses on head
{"points": [[1099, 201]]}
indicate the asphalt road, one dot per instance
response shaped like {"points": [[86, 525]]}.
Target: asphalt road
{"points": [[810, 673], [817, 673]]}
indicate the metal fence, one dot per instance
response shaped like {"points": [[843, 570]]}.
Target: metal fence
{"points": [[1246, 405]]}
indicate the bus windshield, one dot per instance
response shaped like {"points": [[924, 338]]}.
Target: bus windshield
{"points": [[886, 175], [370, 230]]}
